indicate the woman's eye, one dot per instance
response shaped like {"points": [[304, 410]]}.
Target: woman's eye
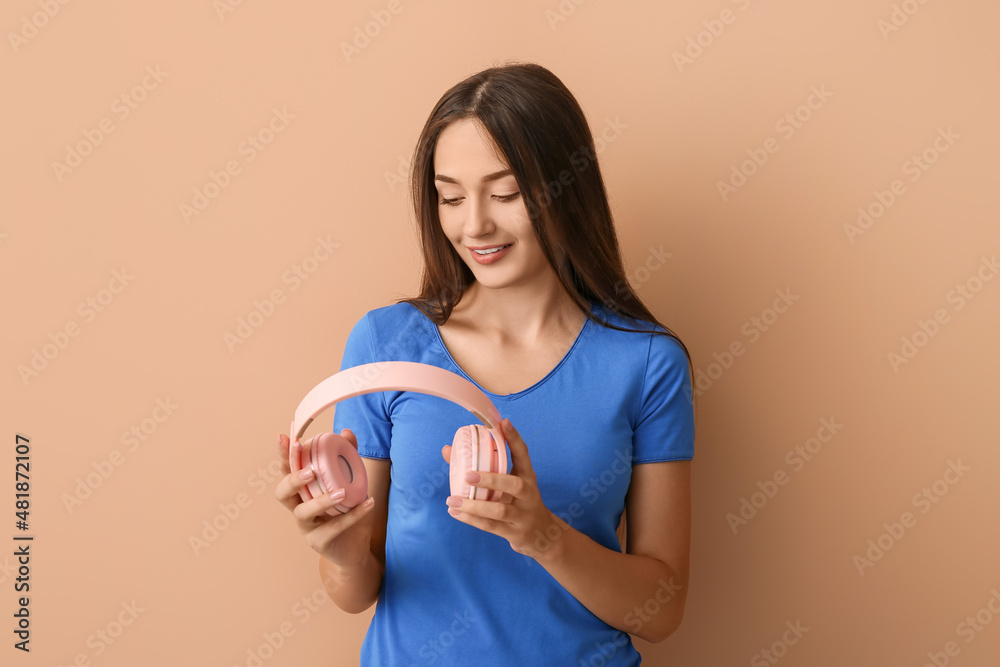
{"points": [[457, 200]]}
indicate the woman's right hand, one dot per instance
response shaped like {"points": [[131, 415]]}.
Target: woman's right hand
{"points": [[345, 539]]}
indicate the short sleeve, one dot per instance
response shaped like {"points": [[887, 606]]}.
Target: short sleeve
{"points": [[366, 414], [664, 424]]}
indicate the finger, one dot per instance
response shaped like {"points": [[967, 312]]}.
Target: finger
{"points": [[304, 449], [348, 434], [283, 452], [521, 462], [446, 453], [306, 512], [323, 533], [285, 444], [480, 522], [287, 490], [510, 485], [484, 509]]}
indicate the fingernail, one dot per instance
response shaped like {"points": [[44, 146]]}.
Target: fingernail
{"points": [[279, 441], [473, 477], [306, 474], [454, 512], [338, 494], [368, 503], [454, 501]]}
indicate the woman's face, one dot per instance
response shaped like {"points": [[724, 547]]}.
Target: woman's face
{"points": [[480, 206]]}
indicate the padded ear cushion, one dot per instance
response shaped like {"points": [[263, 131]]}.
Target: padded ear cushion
{"points": [[313, 487], [487, 459], [464, 457], [338, 465], [494, 465], [299, 458], [494, 460], [473, 449]]}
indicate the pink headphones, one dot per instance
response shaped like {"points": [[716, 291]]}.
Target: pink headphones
{"points": [[336, 464]]}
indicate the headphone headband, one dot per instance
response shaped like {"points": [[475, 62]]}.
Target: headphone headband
{"points": [[399, 376]]}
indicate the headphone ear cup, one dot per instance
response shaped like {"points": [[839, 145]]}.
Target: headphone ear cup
{"points": [[303, 461], [473, 449], [464, 457], [495, 467], [494, 459], [338, 465], [487, 459]]}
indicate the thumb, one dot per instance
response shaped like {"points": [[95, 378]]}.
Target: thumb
{"points": [[520, 461]]}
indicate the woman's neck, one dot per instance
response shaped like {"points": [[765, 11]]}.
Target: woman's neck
{"points": [[522, 314]]}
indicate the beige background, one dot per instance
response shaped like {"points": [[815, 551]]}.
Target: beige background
{"points": [[331, 172]]}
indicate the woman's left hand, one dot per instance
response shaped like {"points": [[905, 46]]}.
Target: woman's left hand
{"points": [[520, 517]]}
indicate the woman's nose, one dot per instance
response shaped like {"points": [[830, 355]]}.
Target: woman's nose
{"points": [[478, 221]]}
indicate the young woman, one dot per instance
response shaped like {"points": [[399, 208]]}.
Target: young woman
{"points": [[524, 293]]}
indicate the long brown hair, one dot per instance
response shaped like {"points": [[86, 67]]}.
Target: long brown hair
{"points": [[541, 133]]}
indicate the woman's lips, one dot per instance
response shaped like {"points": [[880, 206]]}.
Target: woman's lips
{"points": [[491, 257]]}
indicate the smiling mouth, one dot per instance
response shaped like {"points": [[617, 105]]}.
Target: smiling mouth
{"points": [[492, 250]]}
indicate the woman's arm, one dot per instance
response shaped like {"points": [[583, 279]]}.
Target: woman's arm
{"points": [[642, 591], [355, 589]]}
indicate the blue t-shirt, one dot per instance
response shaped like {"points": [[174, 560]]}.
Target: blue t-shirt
{"points": [[456, 595]]}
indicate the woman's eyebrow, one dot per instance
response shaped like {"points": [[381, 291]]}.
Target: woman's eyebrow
{"points": [[486, 179]]}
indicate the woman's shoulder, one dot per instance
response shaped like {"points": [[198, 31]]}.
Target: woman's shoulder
{"points": [[398, 331], [394, 314], [648, 339], [640, 329]]}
